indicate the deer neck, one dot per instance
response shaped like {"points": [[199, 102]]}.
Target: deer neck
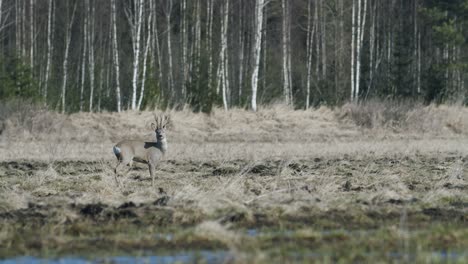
{"points": [[162, 145]]}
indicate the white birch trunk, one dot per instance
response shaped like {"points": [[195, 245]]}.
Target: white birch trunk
{"points": [[308, 55], [264, 51], [23, 29], [353, 49], [197, 43], [135, 21], [115, 54], [65, 58], [145, 58], [318, 33], [288, 16], [241, 55], [358, 50], [341, 46], [257, 50], [1, 15], [169, 51], [17, 27], [31, 32], [210, 43], [184, 47], [323, 38], [361, 29], [310, 39], [83, 57], [372, 40], [419, 64], [285, 48], [225, 60], [156, 43], [221, 81], [91, 39], [50, 34], [417, 41]]}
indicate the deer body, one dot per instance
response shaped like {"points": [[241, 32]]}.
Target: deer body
{"points": [[149, 153]]}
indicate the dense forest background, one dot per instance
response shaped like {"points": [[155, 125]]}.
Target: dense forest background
{"points": [[94, 55]]}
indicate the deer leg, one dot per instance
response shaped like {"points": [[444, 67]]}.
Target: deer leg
{"points": [[129, 165], [116, 173], [122, 162], [152, 173]]}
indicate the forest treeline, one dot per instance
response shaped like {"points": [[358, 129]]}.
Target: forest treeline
{"points": [[94, 55]]}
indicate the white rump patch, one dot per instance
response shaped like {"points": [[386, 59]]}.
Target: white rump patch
{"points": [[116, 150]]}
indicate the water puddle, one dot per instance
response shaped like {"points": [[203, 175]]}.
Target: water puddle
{"points": [[185, 257], [443, 256]]}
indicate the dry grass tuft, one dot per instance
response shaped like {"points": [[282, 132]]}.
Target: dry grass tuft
{"points": [[13, 198], [214, 231], [407, 117]]}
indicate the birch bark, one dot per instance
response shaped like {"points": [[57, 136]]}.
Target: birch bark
{"points": [[115, 54], [50, 34], [83, 57], [222, 65], [156, 43], [257, 50], [65, 60], [31, 32], [91, 39], [310, 39], [145, 58], [241, 53], [353, 49], [170, 80], [285, 48], [135, 21], [361, 29]]}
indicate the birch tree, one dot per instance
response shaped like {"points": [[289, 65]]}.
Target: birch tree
{"points": [[361, 21], [91, 39], [353, 50], [18, 27], [309, 47], [170, 78], [31, 32], [209, 36], [241, 51], [286, 53], [323, 39], [115, 51], [156, 45], [259, 5], [195, 59], [184, 43], [50, 37], [223, 77], [68, 35], [145, 58], [84, 55], [135, 20]]}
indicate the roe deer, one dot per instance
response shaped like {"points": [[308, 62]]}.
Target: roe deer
{"points": [[149, 153]]}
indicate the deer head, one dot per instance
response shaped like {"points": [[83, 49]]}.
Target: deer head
{"points": [[160, 127]]}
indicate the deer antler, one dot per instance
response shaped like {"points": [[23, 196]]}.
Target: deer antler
{"points": [[161, 121], [156, 119], [165, 120]]}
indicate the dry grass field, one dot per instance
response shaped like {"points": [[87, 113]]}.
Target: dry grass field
{"points": [[378, 182]]}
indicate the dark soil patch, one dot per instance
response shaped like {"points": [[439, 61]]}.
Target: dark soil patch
{"points": [[441, 214], [92, 210], [224, 171], [162, 201]]}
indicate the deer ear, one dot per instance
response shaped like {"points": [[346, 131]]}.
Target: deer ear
{"points": [[153, 126]]}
